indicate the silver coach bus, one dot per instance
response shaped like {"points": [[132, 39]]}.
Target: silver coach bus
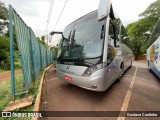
{"points": [[93, 53]]}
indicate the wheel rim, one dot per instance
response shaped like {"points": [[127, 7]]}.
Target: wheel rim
{"points": [[121, 70]]}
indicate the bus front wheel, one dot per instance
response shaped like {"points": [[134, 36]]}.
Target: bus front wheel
{"points": [[121, 71], [149, 68], [131, 64]]}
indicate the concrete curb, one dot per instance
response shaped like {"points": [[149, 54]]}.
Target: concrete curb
{"points": [[38, 98]]}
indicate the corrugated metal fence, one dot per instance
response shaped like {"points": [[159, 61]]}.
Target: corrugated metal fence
{"points": [[34, 56]]}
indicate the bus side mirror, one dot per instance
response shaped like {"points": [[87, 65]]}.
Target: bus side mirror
{"points": [[55, 32], [103, 9]]}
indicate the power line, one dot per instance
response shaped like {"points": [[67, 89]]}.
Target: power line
{"points": [[49, 15], [59, 19], [60, 15]]}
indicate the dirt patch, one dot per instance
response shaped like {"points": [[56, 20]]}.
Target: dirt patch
{"points": [[6, 75], [13, 105]]}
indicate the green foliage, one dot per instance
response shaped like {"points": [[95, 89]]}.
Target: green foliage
{"points": [[3, 11], [42, 40], [3, 17], [17, 63], [52, 48], [4, 40], [4, 52], [140, 31], [5, 91], [3, 71], [153, 10]]}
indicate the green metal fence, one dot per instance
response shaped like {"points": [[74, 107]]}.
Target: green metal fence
{"points": [[34, 56]]}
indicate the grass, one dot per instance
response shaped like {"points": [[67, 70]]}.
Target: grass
{"points": [[17, 65], [5, 93], [3, 71]]}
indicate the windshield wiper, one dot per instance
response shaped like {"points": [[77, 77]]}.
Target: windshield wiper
{"points": [[83, 59]]}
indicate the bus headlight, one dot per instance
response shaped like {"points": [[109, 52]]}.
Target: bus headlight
{"points": [[92, 69]]}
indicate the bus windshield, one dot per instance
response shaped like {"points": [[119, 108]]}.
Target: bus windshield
{"points": [[86, 41]]}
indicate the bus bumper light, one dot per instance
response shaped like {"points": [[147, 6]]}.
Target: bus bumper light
{"points": [[68, 78]]}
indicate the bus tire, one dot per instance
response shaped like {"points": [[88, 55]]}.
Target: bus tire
{"points": [[131, 64], [121, 71], [149, 68]]}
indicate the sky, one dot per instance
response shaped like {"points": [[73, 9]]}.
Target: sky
{"points": [[35, 12]]}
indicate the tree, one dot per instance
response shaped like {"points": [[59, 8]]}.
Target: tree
{"points": [[3, 11], [4, 52], [153, 10], [140, 31], [3, 19], [42, 40]]}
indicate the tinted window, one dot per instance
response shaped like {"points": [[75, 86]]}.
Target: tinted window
{"points": [[65, 42], [87, 38], [124, 37], [112, 34], [125, 49], [117, 23]]}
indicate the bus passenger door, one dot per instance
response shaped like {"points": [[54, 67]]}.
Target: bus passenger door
{"points": [[112, 63]]}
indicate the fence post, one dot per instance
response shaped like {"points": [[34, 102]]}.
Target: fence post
{"points": [[11, 51], [40, 55], [46, 56], [32, 59]]}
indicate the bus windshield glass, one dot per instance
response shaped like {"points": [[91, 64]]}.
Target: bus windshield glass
{"points": [[85, 40]]}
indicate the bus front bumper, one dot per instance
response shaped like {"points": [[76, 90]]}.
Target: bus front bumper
{"points": [[90, 83]]}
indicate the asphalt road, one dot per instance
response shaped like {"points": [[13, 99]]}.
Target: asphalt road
{"points": [[138, 90]]}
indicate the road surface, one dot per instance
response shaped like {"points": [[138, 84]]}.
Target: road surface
{"points": [[138, 90]]}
